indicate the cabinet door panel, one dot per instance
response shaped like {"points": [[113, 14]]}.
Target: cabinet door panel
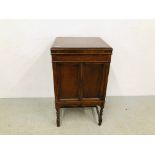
{"points": [[93, 79], [68, 83]]}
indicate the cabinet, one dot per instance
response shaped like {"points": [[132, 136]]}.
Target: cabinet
{"points": [[80, 71]]}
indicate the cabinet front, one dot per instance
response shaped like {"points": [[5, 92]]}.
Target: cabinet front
{"points": [[79, 81]]}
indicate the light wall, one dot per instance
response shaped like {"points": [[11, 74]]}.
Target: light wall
{"points": [[25, 63]]}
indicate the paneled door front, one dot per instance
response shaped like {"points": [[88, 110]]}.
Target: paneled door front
{"points": [[93, 80], [68, 80]]}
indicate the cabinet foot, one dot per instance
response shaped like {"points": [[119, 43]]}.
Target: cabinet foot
{"points": [[58, 117], [100, 116]]}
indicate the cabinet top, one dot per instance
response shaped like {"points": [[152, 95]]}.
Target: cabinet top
{"points": [[79, 43]]}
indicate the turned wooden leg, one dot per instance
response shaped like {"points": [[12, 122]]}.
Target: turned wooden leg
{"points": [[58, 117], [100, 115]]}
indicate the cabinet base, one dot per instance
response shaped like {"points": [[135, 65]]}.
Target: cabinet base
{"points": [[99, 113]]}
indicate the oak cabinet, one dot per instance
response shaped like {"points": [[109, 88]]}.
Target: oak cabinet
{"points": [[80, 71]]}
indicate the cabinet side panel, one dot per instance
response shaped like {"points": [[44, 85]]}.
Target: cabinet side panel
{"points": [[55, 78]]}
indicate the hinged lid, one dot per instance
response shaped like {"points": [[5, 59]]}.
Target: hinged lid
{"points": [[80, 45]]}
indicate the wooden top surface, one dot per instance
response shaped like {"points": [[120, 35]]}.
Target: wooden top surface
{"points": [[79, 43]]}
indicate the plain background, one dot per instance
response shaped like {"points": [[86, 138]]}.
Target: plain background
{"points": [[128, 9], [25, 61]]}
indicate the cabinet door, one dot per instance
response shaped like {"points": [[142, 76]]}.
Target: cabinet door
{"points": [[94, 80], [68, 74]]}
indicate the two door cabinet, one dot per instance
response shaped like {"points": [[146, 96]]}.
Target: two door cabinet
{"points": [[80, 73]]}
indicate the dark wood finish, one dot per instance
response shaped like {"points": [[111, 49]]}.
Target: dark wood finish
{"points": [[80, 71], [72, 43], [81, 57]]}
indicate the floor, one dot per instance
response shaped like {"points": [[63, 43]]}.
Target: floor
{"points": [[121, 115]]}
